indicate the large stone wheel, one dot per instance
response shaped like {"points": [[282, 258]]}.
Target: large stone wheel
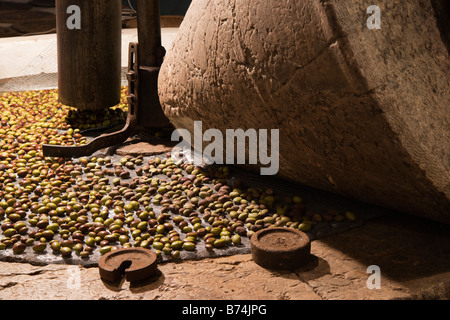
{"points": [[362, 112]]}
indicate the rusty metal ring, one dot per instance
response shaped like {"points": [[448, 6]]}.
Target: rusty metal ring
{"points": [[134, 263], [280, 248]]}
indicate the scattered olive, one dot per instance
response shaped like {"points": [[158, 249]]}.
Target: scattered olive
{"points": [[95, 203], [85, 254], [190, 246], [105, 249], [19, 247], [219, 243], [39, 247], [350, 216], [304, 226], [56, 246], [66, 251], [236, 239]]}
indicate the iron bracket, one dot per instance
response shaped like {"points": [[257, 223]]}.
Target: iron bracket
{"points": [[114, 138]]}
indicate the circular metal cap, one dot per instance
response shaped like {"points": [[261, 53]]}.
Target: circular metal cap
{"points": [[280, 248], [135, 263]]}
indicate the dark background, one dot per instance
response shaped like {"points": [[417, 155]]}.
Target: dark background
{"points": [[169, 7]]}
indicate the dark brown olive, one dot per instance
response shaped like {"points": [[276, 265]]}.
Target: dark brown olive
{"points": [[19, 247]]}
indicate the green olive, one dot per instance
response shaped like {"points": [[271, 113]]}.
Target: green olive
{"points": [[176, 245], [304, 226], [56, 246], [78, 247], [167, 250], [9, 232], [105, 249], [269, 220], [220, 243], [145, 244], [39, 247], [224, 233], [48, 234], [66, 251], [123, 239], [14, 217], [350, 216], [53, 227], [236, 239], [176, 255], [85, 254], [187, 229], [19, 225], [216, 231], [160, 229], [143, 225], [158, 245], [190, 246], [90, 241]]}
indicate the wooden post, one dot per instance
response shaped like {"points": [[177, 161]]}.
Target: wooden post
{"points": [[150, 57], [89, 53]]}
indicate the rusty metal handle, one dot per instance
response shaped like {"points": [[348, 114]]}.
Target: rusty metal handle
{"points": [[103, 141], [107, 139]]}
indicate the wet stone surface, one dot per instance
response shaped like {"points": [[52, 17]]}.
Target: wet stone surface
{"points": [[128, 180], [72, 211]]}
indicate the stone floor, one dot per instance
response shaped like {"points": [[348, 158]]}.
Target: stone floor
{"points": [[413, 256]]}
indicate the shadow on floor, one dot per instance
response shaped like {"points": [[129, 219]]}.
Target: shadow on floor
{"points": [[405, 247], [148, 284]]}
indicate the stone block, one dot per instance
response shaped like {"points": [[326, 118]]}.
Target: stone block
{"points": [[362, 112]]}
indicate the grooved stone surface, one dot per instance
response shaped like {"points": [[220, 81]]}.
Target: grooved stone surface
{"points": [[366, 111]]}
